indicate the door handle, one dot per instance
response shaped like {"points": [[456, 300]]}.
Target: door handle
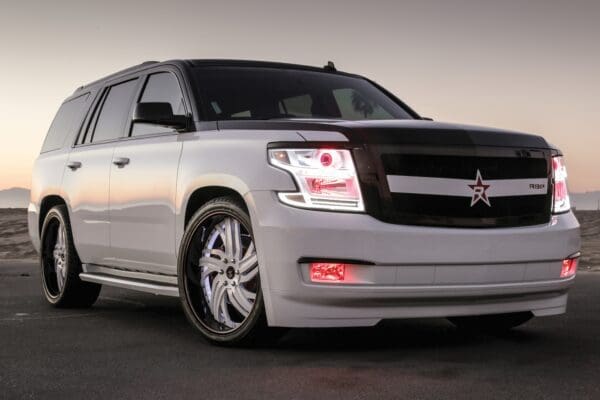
{"points": [[121, 161], [74, 165]]}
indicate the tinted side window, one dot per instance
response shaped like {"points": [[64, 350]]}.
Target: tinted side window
{"points": [[160, 88], [64, 123], [115, 112]]}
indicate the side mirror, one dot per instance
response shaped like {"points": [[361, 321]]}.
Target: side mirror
{"points": [[159, 114]]}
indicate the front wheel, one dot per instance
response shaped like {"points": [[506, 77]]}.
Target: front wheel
{"points": [[219, 280], [491, 323]]}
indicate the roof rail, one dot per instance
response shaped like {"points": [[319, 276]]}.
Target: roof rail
{"points": [[123, 71]]}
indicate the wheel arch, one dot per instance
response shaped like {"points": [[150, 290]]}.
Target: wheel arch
{"points": [[202, 195], [46, 205], [198, 196]]}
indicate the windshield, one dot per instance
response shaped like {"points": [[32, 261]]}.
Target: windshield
{"points": [[238, 93]]}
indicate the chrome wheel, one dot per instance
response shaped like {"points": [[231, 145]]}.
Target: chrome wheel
{"points": [[54, 256], [228, 273], [60, 264], [59, 254], [219, 278]]}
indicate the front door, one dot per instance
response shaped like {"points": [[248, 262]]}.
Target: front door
{"points": [[143, 181]]}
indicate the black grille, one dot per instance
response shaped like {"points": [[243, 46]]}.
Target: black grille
{"points": [[453, 211], [460, 167], [421, 209]]}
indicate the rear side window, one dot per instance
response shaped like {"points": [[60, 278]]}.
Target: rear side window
{"points": [[115, 112], [65, 123], [160, 88]]}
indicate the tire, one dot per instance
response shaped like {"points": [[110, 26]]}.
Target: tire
{"points": [[60, 264], [495, 323], [222, 297]]}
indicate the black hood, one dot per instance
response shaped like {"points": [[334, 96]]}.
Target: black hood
{"points": [[413, 132]]}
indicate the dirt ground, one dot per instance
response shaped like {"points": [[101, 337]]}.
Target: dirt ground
{"points": [[15, 245], [590, 236], [14, 237]]}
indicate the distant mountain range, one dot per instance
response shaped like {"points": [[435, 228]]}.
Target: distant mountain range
{"points": [[14, 198], [586, 201], [19, 198]]}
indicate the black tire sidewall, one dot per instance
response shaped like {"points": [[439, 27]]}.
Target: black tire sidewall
{"points": [[75, 292]]}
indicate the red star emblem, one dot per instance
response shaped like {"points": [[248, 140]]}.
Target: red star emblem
{"points": [[479, 189]]}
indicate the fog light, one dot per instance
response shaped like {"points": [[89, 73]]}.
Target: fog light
{"points": [[569, 267], [327, 272]]}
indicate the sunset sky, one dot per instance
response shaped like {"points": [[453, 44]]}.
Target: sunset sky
{"points": [[531, 66]]}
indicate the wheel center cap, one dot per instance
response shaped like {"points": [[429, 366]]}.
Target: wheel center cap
{"points": [[230, 272]]}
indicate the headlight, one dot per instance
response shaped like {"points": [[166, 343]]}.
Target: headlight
{"points": [[326, 178], [560, 202]]}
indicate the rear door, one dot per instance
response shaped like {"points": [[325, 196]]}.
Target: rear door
{"points": [[143, 184], [86, 178], [49, 167]]}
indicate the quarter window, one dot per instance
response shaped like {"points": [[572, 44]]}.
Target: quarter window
{"points": [[115, 112], [160, 88], [65, 122]]}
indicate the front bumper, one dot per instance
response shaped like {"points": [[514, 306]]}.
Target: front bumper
{"points": [[407, 271]]}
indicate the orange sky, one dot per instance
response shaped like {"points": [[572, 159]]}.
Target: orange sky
{"points": [[531, 66]]}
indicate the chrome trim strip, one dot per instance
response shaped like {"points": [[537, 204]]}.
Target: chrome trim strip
{"points": [[158, 289], [461, 188], [127, 273]]}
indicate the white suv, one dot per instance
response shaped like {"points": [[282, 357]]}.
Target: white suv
{"points": [[276, 195]]}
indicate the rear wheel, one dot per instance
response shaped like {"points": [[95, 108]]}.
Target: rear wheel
{"points": [[219, 280], [60, 264], [491, 323]]}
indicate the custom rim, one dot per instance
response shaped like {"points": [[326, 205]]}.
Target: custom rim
{"points": [[222, 279], [55, 257]]}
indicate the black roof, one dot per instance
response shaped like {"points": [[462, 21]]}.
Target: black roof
{"points": [[212, 62], [253, 63]]}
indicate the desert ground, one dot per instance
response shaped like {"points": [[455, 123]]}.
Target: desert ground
{"points": [[590, 239], [15, 245], [14, 237]]}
